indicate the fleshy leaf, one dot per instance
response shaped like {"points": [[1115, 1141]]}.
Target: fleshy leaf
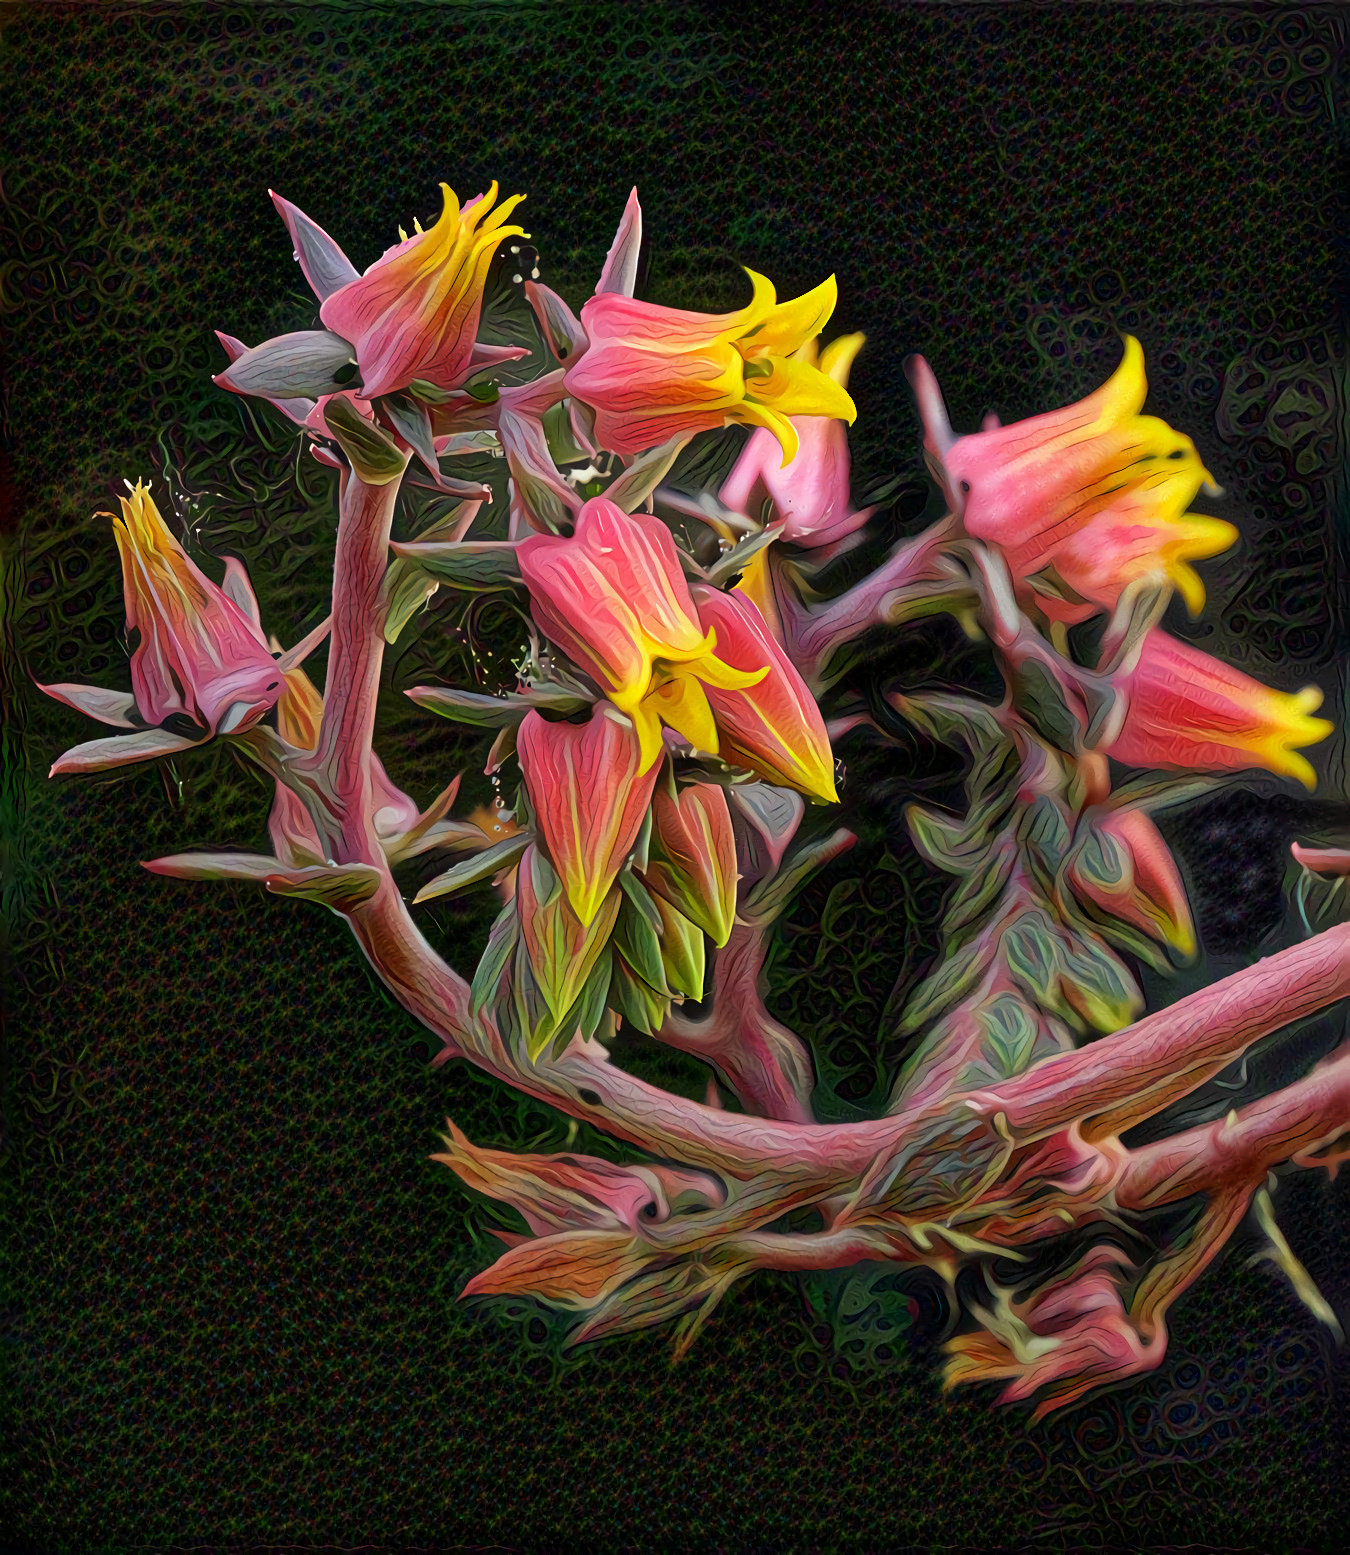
{"points": [[620, 270], [326, 267], [498, 857], [467, 564], [308, 362], [120, 751], [109, 707]]}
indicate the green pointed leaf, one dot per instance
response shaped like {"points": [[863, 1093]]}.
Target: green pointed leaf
{"points": [[940, 838], [406, 589], [683, 952], [413, 424], [769, 899], [1099, 988], [496, 712], [562, 444], [428, 393], [645, 474], [586, 1014], [637, 1001], [957, 975], [481, 565], [339, 888], [1010, 1035], [373, 456], [1038, 696], [1031, 950], [535, 1021], [980, 887], [501, 855], [492, 963], [638, 935], [729, 563]]}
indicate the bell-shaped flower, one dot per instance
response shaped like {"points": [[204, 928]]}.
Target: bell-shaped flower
{"points": [[774, 727], [199, 657], [811, 493], [1028, 487], [414, 313], [614, 598], [201, 665], [199, 654], [589, 792], [1187, 710], [652, 373], [692, 862], [1136, 538], [1125, 869]]}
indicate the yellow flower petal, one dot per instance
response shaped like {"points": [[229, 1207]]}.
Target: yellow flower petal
{"points": [[683, 704], [836, 360], [790, 324]]}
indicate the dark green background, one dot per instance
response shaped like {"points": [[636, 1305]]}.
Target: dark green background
{"points": [[229, 1313]]}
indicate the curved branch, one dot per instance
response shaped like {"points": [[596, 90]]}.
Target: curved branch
{"points": [[765, 1064]]}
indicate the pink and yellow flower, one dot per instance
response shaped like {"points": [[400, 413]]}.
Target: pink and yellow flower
{"points": [[1189, 711], [614, 598], [1135, 539], [776, 729], [693, 857], [414, 313], [199, 655], [652, 373], [590, 795], [811, 493], [1099, 472]]}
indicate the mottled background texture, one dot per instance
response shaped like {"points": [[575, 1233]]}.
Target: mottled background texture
{"points": [[228, 1314]]}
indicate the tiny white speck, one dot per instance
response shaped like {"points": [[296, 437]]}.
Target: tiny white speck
{"points": [[517, 276], [515, 248]]}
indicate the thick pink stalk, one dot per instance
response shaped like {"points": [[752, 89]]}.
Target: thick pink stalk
{"points": [[1124, 1078], [766, 1065], [1213, 1026], [341, 760], [1307, 1122]]}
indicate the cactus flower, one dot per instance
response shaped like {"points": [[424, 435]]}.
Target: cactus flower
{"points": [[1133, 539], [1028, 487], [614, 598], [1189, 711], [810, 494], [199, 657], [414, 313], [652, 373], [772, 728]]}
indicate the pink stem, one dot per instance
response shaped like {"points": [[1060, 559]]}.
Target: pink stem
{"points": [[1116, 1081], [1124, 1078], [1307, 1122], [766, 1065], [341, 759]]}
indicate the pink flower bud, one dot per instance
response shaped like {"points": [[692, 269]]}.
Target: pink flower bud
{"points": [[199, 654]]}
